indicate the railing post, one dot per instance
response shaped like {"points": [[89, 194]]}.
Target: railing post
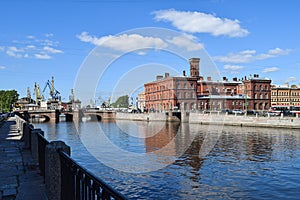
{"points": [[34, 144], [26, 135], [53, 168]]}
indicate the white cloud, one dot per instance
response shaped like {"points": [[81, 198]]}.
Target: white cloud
{"points": [[30, 37], [49, 35], [125, 42], [51, 50], [250, 56], [291, 79], [32, 47], [14, 52], [270, 69], [186, 41], [2, 67], [42, 56], [141, 53], [198, 22], [233, 67], [278, 51]]}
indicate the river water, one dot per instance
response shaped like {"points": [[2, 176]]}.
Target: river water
{"points": [[155, 160]]}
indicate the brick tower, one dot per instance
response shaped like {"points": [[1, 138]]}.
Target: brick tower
{"points": [[194, 67]]}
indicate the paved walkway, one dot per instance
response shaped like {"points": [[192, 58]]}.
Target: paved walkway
{"points": [[19, 174]]}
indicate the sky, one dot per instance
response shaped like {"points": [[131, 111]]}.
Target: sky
{"points": [[105, 46]]}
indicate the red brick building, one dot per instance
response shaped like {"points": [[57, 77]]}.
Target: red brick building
{"points": [[194, 93]]}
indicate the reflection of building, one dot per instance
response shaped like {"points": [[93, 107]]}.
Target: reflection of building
{"points": [[160, 139], [194, 93], [285, 96]]}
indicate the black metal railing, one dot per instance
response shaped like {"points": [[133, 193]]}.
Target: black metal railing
{"points": [[42, 143], [78, 183]]}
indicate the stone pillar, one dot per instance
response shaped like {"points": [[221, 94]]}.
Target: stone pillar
{"points": [[53, 168], [26, 137], [34, 144]]}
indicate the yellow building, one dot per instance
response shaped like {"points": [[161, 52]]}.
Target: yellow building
{"points": [[285, 96]]}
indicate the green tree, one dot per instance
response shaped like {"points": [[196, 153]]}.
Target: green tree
{"points": [[122, 102], [7, 99]]}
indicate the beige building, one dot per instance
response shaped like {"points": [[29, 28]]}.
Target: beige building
{"points": [[285, 96]]}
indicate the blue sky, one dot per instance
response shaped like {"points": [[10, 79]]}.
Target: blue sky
{"points": [[40, 39]]}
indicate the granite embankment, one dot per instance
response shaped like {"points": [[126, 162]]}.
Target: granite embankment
{"points": [[215, 118], [243, 120], [19, 173]]}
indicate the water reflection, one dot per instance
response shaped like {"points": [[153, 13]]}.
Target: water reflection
{"points": [[200, 161]]}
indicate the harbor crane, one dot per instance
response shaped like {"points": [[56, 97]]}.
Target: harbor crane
{"points": [[37, 93], [53, 92]]}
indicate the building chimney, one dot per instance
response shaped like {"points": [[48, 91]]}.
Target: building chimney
{"points": [[183, 73], [208, 78], [194, 67], [201, 78], [224, 78], [167, 75], [158, 77], [235, 79]]}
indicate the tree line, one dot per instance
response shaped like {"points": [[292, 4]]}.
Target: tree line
{"points": [[7, 99]]}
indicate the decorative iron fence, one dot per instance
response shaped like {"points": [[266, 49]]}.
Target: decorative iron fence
{"points": [[80, 184]]}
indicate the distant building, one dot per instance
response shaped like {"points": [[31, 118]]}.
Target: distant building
{"points": [[26, 103], [73, 105], [285, 96], [258, 92], [179, 92], [195, 93], [141, 103]]}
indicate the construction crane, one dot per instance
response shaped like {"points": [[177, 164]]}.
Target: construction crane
{"points": [[37, 93], [53, 92], [28, 94]]}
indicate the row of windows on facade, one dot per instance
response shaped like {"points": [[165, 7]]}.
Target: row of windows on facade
{"points": [[261, 96], [205, 105], [286, 100], [192, 95], [260, 87], [167, 96], [168, 87], [286, 94]]}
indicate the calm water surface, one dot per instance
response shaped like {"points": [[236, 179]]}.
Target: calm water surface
{"points": [[199, 161]]}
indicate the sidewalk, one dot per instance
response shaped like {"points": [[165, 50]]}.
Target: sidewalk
{"points": [[19, 174]]}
